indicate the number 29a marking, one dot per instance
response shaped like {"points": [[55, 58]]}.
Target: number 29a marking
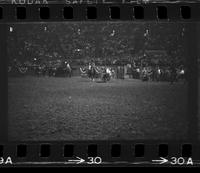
{"points": [[94, 160]]}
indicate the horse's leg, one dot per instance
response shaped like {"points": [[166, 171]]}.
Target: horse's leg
{"points": [[67, 73], [89, 74], [93, 75], [70, 73]]}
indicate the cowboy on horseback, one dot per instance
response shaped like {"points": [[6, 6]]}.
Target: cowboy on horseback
{"points": [[107, 74], [92, 71]]}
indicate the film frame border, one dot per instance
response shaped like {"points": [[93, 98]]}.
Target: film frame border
{"points": [[109, 153], [181, 12], [126, 154]]}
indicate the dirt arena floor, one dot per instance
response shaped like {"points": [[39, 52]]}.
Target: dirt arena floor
{"points": [[49, 108]]}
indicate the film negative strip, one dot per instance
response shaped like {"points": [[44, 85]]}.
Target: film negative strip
{"points": [[99, 83]]}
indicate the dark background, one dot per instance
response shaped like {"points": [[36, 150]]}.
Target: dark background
{"points": [[102, 42]]}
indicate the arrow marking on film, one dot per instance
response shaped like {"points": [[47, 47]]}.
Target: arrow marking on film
{"points": [[162, 160], [80, 160]]}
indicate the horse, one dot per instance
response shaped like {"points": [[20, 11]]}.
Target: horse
{"points": [[181, 75], [84, 72], [68, 71], [173, 75], [92, 73], [95, 72], [107, 75]]}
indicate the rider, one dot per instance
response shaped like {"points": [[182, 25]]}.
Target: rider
{"points": [[89, 70], [92, 71], [108, 70], [69, 70], [106, 74], [89, 66]]}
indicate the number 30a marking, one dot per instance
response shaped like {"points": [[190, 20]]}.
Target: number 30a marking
{"points": [[94, 160], [181, 161]]}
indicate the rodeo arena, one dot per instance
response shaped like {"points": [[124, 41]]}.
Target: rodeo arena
{"points": [[73, 94], [144, 71]]}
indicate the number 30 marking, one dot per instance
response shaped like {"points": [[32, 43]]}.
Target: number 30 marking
{"points": [[94, 160]]}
